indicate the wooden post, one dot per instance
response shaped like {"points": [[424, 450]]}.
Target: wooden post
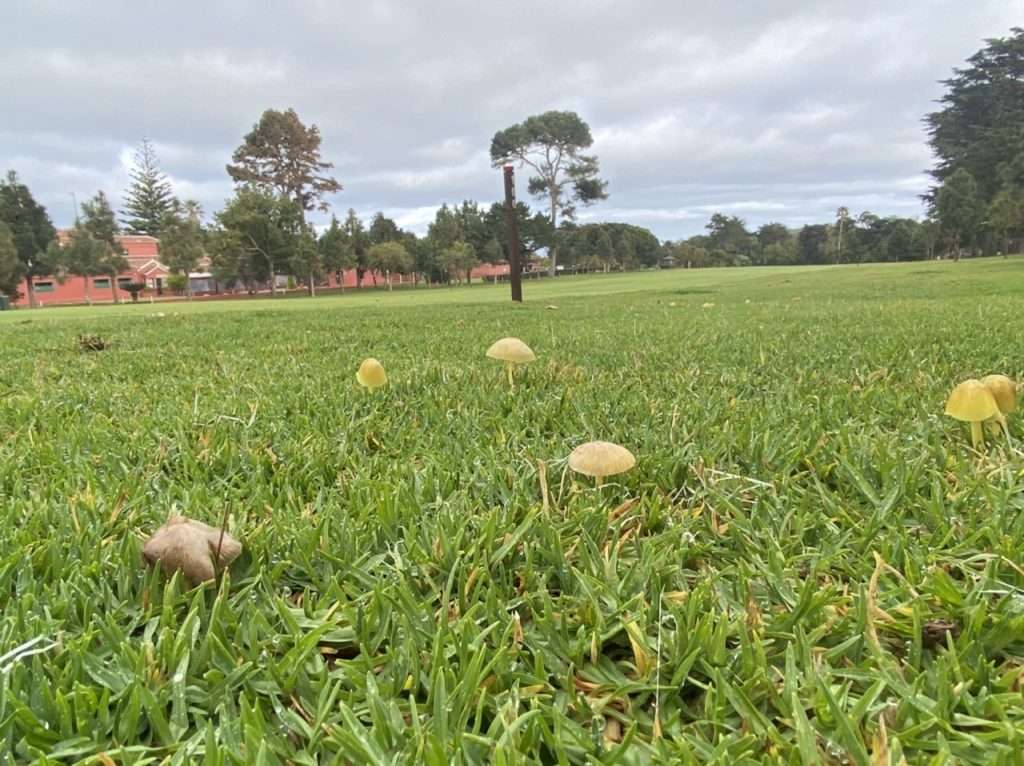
{"points": [[512, 234]]}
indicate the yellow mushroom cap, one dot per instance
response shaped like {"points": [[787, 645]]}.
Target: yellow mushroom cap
{"points": [[1004, 391], [511, 350], [601, 459], [971, 401], [371, 374]]}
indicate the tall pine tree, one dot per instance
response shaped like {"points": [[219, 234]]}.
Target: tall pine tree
{"points": [[100, 225], [149, 199]]}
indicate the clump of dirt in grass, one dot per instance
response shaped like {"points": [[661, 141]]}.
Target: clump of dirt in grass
{"points": [[934, 632], [92, 343]]}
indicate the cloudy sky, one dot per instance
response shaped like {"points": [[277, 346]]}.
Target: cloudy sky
{"points": [[767, 109]]}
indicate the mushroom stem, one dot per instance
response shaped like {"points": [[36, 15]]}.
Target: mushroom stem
{"points": [[598, 481], [508, 369], [977, 435]]}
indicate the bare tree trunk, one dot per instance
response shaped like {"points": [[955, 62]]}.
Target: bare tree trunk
{"points": [[30, 290], [273, 283], [312, 287], [387, 276], [552, 250], [188, 285], [113, 289]]}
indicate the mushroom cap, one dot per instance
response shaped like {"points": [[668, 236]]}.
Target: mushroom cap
{"points": [[1004, 390], [972, 402], [186, 545], [511, 350], [371, 374], [601, 459]]}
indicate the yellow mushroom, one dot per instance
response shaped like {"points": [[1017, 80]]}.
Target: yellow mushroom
{"points": [[601, 459], [511, 351], [1003, 390], [371, 374], [1005, 393], [973, 403]]}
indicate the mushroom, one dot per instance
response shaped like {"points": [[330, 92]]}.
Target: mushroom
{"points": [[511, 351], [190, 546], [1003, 390], [371, 374], [972, 402], [1005, 393], [601, 459]]}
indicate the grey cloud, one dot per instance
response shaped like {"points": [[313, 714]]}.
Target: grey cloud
{"points": [[772, 110]]}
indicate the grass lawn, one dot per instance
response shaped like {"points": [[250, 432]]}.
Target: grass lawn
{"points": [[808, 564]]}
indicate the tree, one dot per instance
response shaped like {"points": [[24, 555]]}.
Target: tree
{"points": [[729, 233], [457, 259], [383, 229], [305, 262], [31, 229], [535, 229], [256, 236], [389, 258], [149, 199], [603, 249], [978, 124], [336, 251], [99, 222], [779, 253], [424, 259], [358, 241], [10, 266], [1006, 215], [552, 145], [282, 154], [182, 244], [959, 209], [812, 244], [81, 257], [774, 234], [842, 218], [899, 245]]}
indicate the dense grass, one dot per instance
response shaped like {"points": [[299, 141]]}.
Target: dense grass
{"points": [[808, 564]]}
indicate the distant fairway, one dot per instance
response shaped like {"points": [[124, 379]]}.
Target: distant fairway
{"points": [[806, 547], [929, 279]]}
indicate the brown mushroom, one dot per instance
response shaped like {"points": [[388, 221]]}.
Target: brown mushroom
{"points": [[189, 546]]}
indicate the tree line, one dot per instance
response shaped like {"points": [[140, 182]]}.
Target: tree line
{"points": [[976, 206]]}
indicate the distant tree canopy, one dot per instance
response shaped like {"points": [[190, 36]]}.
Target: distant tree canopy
{"points": [[31, 229], [281, 154], [978, 143], [552, 145], [10, 266], [255, 237], [608, 246]]}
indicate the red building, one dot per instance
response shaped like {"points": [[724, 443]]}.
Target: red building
{"points": [[143, 256], [144, 266]]}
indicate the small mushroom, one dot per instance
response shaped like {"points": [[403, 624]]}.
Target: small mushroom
{"points": [[511, 351], [371, 374], [1003, 391], [973, 403], [601, 459], [189, 546]]}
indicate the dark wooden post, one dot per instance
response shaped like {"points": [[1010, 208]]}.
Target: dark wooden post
{"points": [[512, 235]]}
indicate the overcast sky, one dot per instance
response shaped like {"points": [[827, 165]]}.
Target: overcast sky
{"points": [[770, 110]]}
